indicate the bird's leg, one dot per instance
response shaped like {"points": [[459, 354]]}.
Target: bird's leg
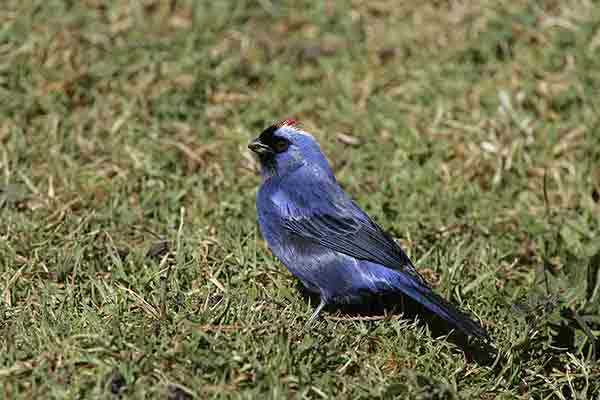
{"points": [[315, 314]]}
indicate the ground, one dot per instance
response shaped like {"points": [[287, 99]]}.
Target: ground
{"points": [[130, 260]]}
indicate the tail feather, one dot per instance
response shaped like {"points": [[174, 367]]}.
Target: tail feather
{"points": [[438, 305]]}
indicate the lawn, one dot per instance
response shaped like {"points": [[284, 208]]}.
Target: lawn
{"points": [[131, 263]]}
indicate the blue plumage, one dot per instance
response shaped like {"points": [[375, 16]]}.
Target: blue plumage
{"points": [[324, 238]]}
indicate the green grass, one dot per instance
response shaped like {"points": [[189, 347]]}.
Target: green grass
{"points": [[124, 126]]}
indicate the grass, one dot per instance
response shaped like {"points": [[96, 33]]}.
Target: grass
{"points": [[130, 260]]}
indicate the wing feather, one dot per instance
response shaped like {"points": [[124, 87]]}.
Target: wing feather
{"points": [[352, 232]]}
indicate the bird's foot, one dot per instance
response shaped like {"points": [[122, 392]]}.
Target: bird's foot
{"points": [[314, 315]]}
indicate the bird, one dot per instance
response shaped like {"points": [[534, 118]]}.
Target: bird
{"points": [[324, 238]]}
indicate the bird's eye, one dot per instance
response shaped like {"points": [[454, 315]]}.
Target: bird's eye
{"points": [[280, 145]]}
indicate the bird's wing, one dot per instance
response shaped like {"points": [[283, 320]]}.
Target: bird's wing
{"points": [[345, 228]]}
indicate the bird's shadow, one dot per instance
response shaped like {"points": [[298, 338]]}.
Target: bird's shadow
{"points": [[480, 351]]}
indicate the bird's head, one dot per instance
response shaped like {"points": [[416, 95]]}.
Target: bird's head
{"points": [[283, 148]]}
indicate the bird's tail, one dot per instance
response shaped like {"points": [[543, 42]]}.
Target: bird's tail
{"points": [[414, 288]]}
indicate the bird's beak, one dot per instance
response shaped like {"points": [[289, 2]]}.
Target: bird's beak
{"points": [[259, 148]]}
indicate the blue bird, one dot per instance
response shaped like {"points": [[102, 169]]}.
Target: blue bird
{"points": [[324, 238]]}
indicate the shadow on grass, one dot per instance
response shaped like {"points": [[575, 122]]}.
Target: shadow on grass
{"points": [[476, 350]]}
